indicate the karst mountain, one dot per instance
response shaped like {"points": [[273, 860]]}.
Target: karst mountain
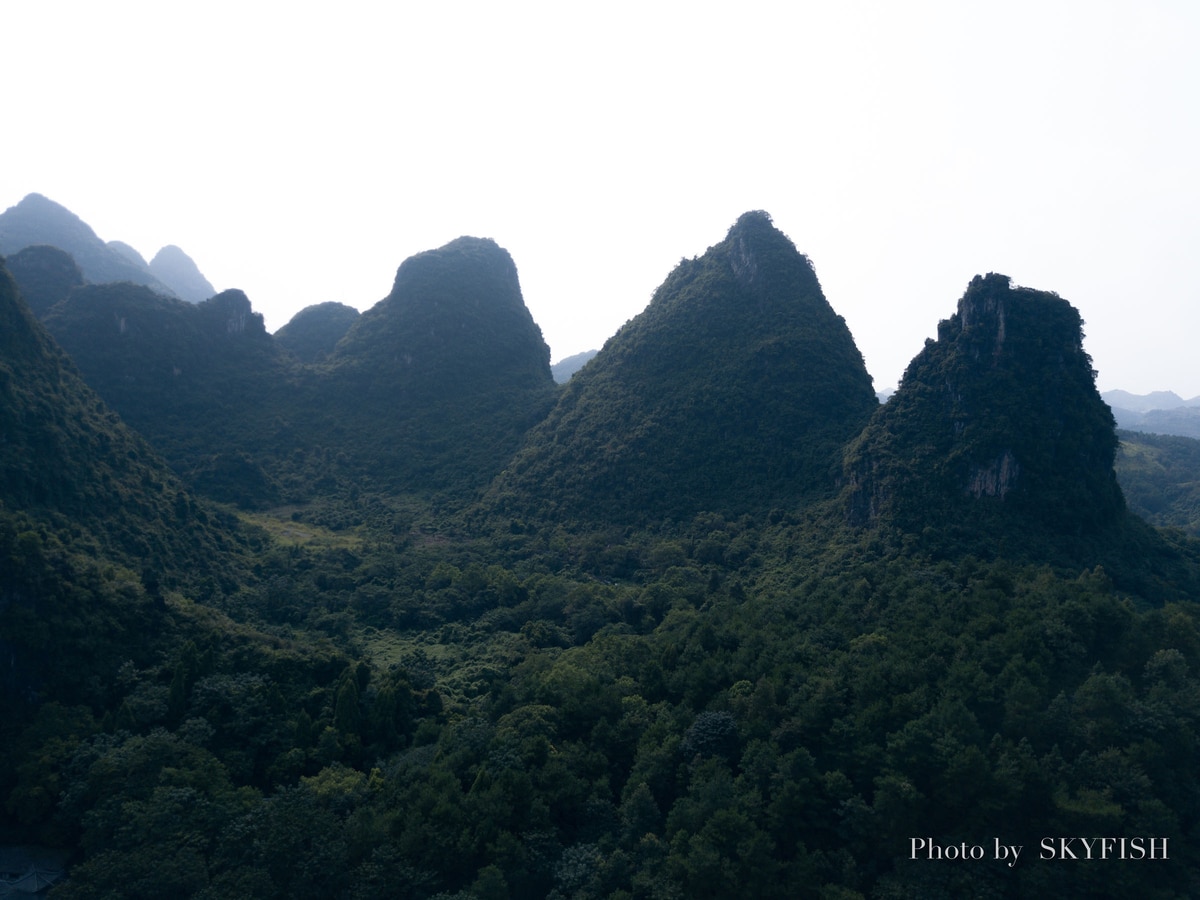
{"points": [[734, 390]]}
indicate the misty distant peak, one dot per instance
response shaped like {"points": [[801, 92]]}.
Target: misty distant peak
{"points": [[39, 220], [179, 272], [1146, 402]]}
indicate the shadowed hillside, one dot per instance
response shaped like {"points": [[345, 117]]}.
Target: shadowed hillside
{"points": [[1000, 411], [45, 275], [437, 383], [93, 525], [203, 382]]}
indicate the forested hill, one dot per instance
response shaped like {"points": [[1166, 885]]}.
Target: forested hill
{"points": [[997, 443], [311, 334], [436, 384], [429, 391], [179, 272], [204, 383], [734, 391], [94, 528], [65, 457], [1000, 411], [45, 275]]}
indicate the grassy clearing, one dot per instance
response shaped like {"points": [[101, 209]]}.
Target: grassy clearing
{"points": [[464, 668], [278, 523]]}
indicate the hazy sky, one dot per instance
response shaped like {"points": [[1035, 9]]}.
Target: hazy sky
{"points": [[301, 151]]}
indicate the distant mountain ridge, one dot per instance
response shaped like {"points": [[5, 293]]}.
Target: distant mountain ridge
{"points": [[1161, 412], [39, 220], [565, 368], [1143, 403]]}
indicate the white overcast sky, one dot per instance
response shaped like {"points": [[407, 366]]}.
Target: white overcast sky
{"points": [[301, 151]]}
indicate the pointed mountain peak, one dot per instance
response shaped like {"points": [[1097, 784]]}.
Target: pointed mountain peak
{"points": [[734, 391], [999, 417], [39, 220], [178, 271], [755, 228], [39, 203]]}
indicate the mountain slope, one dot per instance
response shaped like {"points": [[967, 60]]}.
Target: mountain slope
{"points": [[1160, 477], [733, 391], [179, 272], [93, 526], [431, 390], [204, 383], [66, 456]]}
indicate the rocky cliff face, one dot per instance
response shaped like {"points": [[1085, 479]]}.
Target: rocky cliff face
{"points": [[1000, 412], [230, 313]]}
